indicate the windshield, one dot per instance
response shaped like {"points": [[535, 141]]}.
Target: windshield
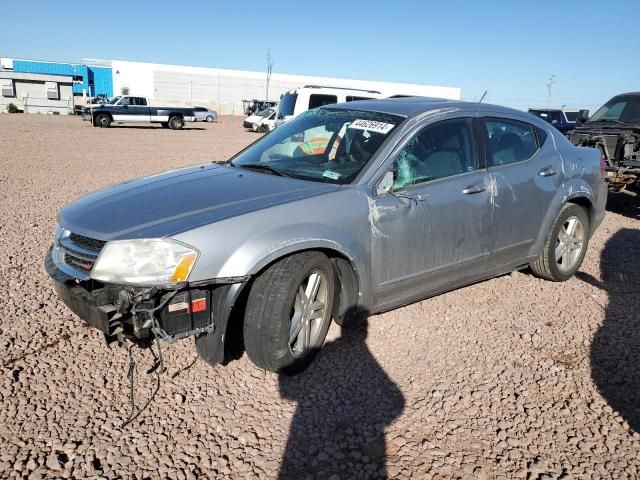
{"points": [[114, 100], [265, 113], [287, 104], [625, 108], [323, 145]]}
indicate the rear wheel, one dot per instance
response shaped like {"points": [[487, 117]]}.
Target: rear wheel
{"points": [[176, 123], [210, 119], [566, 246], [103, 120], [289, 311]]}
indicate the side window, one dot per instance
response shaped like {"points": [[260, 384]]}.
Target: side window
{"points": [[142, 101], [318, 100], [352, 98], [125, 101], [439, 150], [556, 117], [510, 141]]}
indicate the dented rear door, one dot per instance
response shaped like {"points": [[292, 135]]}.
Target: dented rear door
{"points": [[526, 174]]}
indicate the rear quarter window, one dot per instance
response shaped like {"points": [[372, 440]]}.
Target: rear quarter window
{"points": [[352, 98], [542, 136]]}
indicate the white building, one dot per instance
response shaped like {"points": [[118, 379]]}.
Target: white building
{"points": [[224, 90], [36, 93]]}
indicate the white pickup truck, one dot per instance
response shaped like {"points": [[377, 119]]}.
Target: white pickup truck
{"points": [[129, 109]]}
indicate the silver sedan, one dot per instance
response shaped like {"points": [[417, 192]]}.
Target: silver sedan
{"points": [[346, 211], [204, 114]]}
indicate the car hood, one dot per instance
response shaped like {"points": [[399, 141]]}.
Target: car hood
{"points": [[606, 128], [179, 200]]}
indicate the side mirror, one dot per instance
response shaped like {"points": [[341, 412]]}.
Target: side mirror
{"points": [[386, 184], [583, 116]]}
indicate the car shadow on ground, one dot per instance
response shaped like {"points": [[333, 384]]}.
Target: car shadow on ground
{"points": [[615, 350], [345, 400], [624, 203]]}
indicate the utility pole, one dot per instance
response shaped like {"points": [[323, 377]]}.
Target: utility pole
{"points": [[269, 68], [552, 80]]}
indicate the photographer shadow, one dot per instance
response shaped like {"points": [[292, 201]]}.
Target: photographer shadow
{"points": [[615, 350], [345, 402]]}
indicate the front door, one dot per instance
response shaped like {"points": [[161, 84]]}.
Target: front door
{"points": [[429, 233]]}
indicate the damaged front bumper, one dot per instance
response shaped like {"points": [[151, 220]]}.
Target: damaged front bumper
{"points": [[142, 314]]}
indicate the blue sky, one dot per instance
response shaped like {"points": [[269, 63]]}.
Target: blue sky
{"points": [[509, 48]]}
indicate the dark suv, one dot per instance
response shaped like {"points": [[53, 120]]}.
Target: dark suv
{"points": [[563, 120]]}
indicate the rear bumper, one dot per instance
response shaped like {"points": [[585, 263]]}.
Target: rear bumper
{"points": [[120, 311]]}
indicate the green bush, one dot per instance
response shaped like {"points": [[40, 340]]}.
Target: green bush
{"points": [[11, 108]]}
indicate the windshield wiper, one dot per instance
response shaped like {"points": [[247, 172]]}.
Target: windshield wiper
{"points": [[260, 167]]}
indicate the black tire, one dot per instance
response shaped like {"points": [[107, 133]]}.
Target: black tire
{"points": [[263, 128], [176, 123], [103, 120], [270, 308], [164, 124], [546, 266], [210, 119]]}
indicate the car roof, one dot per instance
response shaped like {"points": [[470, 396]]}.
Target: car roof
{"points": [[413, 106]]}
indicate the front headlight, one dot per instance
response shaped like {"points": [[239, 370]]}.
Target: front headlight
{"points": [[148, 262]]}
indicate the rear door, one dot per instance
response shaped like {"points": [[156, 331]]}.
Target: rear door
{"points": [[139, 110], [429, 233], [526, 173]]}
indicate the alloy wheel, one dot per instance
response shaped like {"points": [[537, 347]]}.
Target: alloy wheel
{"points": [[308, 314], [569, 243]]}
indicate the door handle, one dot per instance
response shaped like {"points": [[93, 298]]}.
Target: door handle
{"points": [[547, 172], [481, 187]]}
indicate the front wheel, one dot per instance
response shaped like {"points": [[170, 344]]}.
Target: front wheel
{"points": [[566, 246], [176, 123], [210, 119], [289, 311], [103, 120]]}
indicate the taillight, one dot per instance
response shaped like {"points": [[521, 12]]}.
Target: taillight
{"points": [[603, 164]]}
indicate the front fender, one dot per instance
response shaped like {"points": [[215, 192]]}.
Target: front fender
{"points": [[253, 255]]}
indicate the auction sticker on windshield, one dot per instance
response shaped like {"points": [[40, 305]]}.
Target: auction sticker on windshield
{"points": [[332, 175], [372, 126]]}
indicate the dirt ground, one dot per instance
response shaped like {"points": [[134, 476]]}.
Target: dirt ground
{"points": [[510, 378]]}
